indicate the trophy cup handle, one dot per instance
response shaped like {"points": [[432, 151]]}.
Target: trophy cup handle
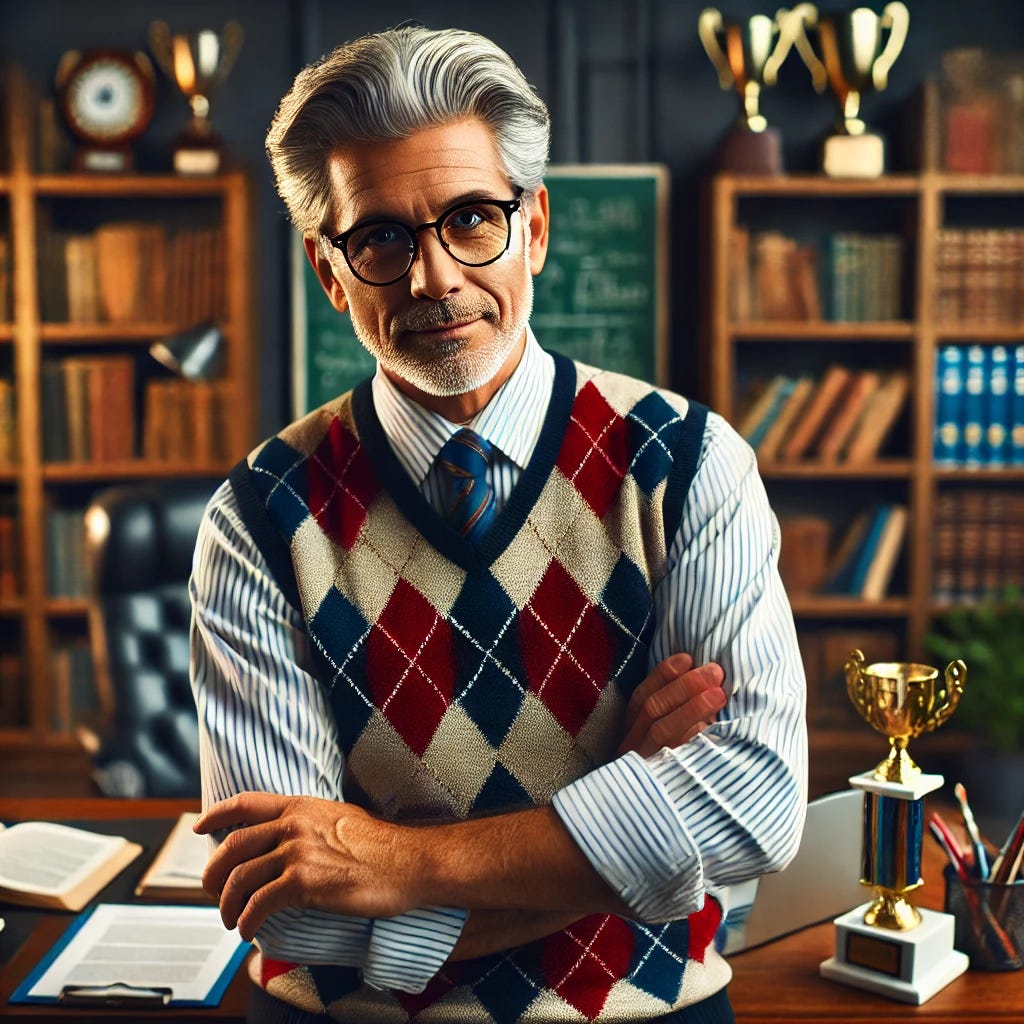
{"points": [[797, 19], [854, 678], [231, 43], [770, 74], [709, 24], [896, 18], [161, 47]]}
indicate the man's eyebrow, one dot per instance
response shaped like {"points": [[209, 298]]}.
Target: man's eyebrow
{"points": [[472, 196]]}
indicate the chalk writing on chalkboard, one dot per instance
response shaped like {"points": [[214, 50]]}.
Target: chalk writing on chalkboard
{"points": [[601, 298]]}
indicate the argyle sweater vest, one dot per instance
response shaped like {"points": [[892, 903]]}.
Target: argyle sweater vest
{"points": [[471, 678]]}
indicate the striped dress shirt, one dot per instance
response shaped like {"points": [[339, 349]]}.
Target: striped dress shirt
{"points": [[661, 830]]}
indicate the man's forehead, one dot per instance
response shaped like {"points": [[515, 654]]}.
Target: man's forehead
{"points": [[428, 167]]}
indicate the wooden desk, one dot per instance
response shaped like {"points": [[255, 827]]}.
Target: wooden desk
{"points": [[780, 981], [774, 983], [52, 925]]}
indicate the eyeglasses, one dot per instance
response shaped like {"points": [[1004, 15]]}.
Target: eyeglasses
{"points": [[473, 233]]}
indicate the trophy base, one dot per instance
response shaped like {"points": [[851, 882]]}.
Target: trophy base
{"points": [[743, 151], [102, 161], [854, 156], [198, 160], [906, 966]]}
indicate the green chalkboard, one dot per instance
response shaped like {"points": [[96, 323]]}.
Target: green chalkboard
{"points": [[601, 298]]}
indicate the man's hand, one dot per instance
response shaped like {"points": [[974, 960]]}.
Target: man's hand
{"points": [[672, 705], [294, 851]]}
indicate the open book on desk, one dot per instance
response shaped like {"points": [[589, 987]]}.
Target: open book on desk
{"points": [[57, 867], [176, 874]]}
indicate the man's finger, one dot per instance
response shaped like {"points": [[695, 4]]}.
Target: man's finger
{"points": [[676, 693], [673, 729], [244, 844], [245, 880], [662, 673], [240, 809], [276, 895]]}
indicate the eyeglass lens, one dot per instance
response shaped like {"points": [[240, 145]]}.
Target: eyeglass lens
{"points": [[474, 235]]}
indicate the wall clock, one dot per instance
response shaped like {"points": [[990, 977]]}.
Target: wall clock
{"points": [[107, 98]]}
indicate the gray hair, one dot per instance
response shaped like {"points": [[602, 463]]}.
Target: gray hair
{"points": [[389, 85]]}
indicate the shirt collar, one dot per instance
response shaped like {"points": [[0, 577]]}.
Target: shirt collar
{"points": [[511, 421]]}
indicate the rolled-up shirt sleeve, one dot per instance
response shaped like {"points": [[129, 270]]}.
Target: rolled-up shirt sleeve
{"points": [[729, 805], [264, 725]]}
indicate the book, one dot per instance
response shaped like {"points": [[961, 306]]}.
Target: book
{"points": [[762, 405], [820, 404], [1017, 408], [57, 867], [949, 396], [847, 414], [781, 426], [995, 447], [880, 414], [868, 549], [975, 400], [176, 873], [886, 554], [839, 571], [803, 552]]}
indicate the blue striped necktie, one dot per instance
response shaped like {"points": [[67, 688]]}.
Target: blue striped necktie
{"points": [[469, 501]]}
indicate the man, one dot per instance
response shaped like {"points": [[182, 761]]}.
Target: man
{"points": [[453, 735]]}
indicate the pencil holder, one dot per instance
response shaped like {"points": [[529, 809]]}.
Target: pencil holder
{"points": [[989, 921]]}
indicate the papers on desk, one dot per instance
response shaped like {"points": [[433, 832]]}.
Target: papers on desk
{"points": [[176, 874], [141, 949]]}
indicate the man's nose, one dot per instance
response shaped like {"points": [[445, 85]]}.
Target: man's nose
{"points": [[434, 272]]}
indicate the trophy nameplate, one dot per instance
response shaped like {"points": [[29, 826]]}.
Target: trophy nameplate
{"points": [[888, 945]]}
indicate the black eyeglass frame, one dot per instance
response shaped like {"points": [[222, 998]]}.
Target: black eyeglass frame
{"points": [[507, 206]]}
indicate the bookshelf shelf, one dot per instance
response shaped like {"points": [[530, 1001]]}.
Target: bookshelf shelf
{"points": [[975, 184], [1002, 474], [849, 608], [821, 331], [80, 370], [980, 332], [12, 609], [815, 185], [139, 469], [895, 469]]}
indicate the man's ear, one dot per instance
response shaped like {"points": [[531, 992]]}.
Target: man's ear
{"points": [[325, 273], [539, 223]]}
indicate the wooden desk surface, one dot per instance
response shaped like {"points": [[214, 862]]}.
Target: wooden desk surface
{"points": [[776, 982]]}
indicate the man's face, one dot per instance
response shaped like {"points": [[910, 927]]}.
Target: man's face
{"points": [[445, 328]]}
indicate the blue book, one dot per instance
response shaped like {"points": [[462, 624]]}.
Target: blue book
{"points": [[949, 397], [1017, 408], [780, 394], [975, 401], [996, 446], [866, 552]]}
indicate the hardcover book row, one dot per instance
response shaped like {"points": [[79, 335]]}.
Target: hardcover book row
{"points": [[979, 406], [845, 415]]}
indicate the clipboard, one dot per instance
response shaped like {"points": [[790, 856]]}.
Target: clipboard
{"points": [[116, 991]]}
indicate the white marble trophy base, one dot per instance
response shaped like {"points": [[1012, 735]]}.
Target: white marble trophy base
{"points": [[854, 156], [908, 966]]}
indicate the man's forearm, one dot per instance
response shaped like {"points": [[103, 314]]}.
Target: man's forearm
{"points": [[522, 861], [493, 931]]}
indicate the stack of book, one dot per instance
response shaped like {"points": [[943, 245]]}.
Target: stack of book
{"points": [[8, 424], [10, 558], [845, 415], [863, 564], [979, 406], [66, 572], [774, 277], [74, 690], [979, 276], [185, 421], [978, 544], [88, 408], [132, 271]]}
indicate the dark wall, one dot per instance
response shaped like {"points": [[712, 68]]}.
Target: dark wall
{"points": [[625, 82]]}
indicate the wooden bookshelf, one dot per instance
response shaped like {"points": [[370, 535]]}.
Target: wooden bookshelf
{"points": [[918, 205], [36, 205]]}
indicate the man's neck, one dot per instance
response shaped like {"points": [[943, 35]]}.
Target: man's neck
{"points": [[461, 408]]}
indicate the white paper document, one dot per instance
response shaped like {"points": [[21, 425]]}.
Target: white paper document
{"points": [[185, 949]]}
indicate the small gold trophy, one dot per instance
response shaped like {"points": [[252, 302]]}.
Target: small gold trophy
{"points": [[747, 56], [889, 946], [196, 62], [855, 58]]}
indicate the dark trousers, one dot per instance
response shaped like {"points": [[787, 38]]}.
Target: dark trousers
{"points": [[265, 1009]]}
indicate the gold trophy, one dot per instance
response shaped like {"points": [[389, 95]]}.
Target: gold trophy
{"points": [[855, 58], [747, 57], [197, 62], [888, 945]]}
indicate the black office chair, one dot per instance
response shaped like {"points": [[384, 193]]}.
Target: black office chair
{"points": [[140, 540]]}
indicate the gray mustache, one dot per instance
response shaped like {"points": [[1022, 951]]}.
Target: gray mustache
{"points": [[442, 314]]}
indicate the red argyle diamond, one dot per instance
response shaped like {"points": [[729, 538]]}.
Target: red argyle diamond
{"points": [[341, 485], [584, 961], [567, 652], [411, 666], [595, 451], [703, 926], [439, 985]]}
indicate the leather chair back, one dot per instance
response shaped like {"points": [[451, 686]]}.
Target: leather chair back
{"points": [[141, 539]]}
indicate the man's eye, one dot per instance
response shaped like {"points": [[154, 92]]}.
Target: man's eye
{"points": [[383, 235], [465, 220]]}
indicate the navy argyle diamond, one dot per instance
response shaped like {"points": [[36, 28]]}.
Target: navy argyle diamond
{"points": [[504, 992], [654, 969], [653, 429]]}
